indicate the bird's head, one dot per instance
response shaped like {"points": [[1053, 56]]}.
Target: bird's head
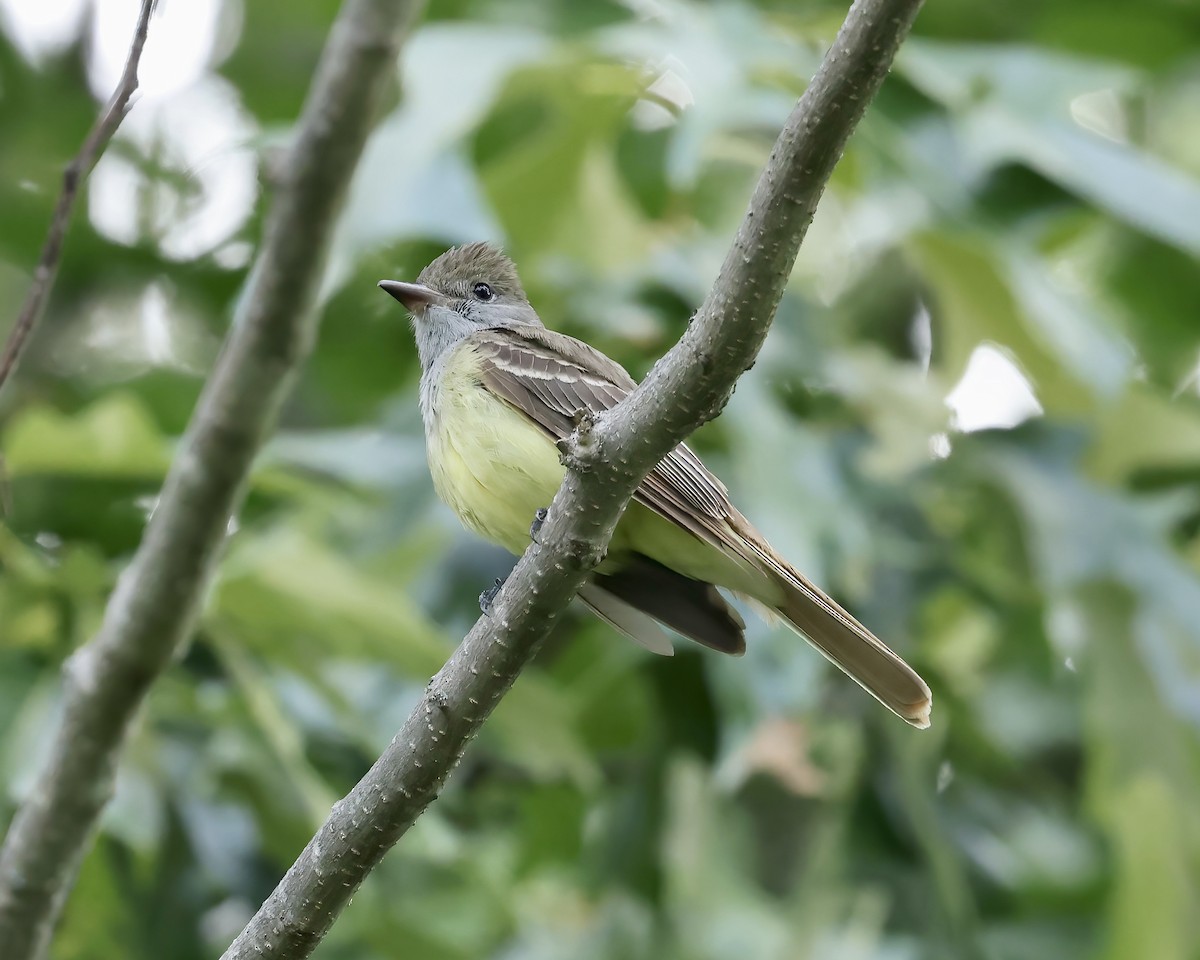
{"points": [[476, 282], [465, 289]]}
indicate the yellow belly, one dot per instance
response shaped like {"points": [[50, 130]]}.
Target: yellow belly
{"points": [[491, 465], [495, 469]]}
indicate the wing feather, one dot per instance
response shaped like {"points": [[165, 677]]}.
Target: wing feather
{"points": [[551, 377]]}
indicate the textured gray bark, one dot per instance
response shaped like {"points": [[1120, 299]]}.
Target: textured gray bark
{"points": [[152, 610], [606, 460]]}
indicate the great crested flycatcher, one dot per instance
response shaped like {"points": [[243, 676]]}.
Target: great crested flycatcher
{"points": [[498, 389]]}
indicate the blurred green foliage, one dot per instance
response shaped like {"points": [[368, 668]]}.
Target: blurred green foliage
{"points": [[1015, 227]]}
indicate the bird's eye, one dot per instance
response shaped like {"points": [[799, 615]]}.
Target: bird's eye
{"points": [[483, 292]]}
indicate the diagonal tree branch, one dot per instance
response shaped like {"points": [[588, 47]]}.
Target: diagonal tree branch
{"points": [[77, 171], [606, 460], [152, 610]]}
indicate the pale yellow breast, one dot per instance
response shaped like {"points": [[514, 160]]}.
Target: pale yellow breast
{"points": [[495, 468], [491, 465]]}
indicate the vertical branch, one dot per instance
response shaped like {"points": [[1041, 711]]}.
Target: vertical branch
{"points": [[155, 603]]}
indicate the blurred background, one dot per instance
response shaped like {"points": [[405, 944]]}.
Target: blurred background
{"points": [[976, 421]]}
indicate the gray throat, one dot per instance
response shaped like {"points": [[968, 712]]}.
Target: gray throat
{"points": [[439, 329], [436, 331]]}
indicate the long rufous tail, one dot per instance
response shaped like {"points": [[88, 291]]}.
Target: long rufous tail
{"points": [[849, 645]]}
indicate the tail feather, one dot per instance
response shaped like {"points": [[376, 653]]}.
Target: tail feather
{"points": [[636, 625], [692, 608], [642, 596], [847, 643]]}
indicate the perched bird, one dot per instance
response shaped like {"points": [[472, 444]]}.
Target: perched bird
{"points": [[498, 389]]}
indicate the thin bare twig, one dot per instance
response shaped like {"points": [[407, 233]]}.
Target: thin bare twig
{"points": [[76, 173]]}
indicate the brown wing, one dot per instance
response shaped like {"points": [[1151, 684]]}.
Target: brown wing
{"points": [[550, 377]]}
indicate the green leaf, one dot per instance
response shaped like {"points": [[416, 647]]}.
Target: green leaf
{"points": [[1014, 107], [1141, 781], [283, 587], [413, 179], [1074, 326], [972, 303], [115, 437], [1130, 185]]}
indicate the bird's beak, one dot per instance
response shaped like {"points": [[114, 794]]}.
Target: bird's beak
{"points": [[415, 296]]}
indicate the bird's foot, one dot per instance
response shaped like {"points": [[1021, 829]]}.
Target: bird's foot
{"points": [[535, 528], [488, 596]]}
